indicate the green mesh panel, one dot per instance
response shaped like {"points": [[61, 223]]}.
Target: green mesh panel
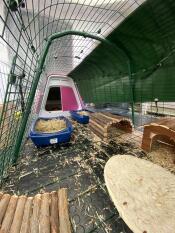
{"points": [[148, 36]]}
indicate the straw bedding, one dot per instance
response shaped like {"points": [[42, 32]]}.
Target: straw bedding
{"points": [[50, 126], [163, 155], [83, 113]]}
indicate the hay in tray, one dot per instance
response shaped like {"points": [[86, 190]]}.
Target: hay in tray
{"points": [[50, 126], [83, 113]]}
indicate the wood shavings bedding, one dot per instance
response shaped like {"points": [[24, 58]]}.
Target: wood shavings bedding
{"points": [[163, 155], [83, 113], [50, 126]]}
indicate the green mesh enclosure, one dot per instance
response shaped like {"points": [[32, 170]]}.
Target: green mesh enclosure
{"points": [[148, 38], [115, 50]]}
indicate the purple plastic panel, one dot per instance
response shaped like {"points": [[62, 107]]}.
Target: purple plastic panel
{"points": [[69, 101]]}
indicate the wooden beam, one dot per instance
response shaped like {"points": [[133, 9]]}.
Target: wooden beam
{"points": [[3, 205], [54, 219], [34, 221], [44, 220], [9, 215], [65, 226], [17, 220], [26, 217]]}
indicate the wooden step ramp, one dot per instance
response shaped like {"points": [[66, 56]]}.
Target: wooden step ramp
{"points": [[43, 213], [163, 130], [102, 123]]}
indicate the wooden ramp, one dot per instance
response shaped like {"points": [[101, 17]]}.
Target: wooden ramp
{"points": [[143, 193], [102, 124], [43, 213], [163, 130]]}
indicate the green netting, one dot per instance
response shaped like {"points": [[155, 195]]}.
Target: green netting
{"points": [[148, 36]]}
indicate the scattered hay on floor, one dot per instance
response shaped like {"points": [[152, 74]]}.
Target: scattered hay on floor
{"points": [[163, 155], [50, 126], [115, 132]]}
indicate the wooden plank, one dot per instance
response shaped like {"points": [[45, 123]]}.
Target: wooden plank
{"points": [[34, 221], [117, 122], [167, 122], [98, 117], [44, 214], [7, 221], [54, 218], [17, 220], [3, 205], [143, 193], [110, 118], [102, 128], [97, 132], [96, 128], [65, 226], [26, 217], [97, 120]]}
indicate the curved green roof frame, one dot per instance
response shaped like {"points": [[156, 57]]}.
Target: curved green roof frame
{"points": [[115, 49]]}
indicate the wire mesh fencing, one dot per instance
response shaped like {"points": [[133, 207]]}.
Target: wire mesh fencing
{"points": [[136, 72], [24, 29]]}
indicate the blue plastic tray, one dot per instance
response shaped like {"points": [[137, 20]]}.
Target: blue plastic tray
{"points": [[82, 119], [46, 139]]}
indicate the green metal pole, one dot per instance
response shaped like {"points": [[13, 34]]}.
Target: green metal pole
{"points": [[38, 74], [83, 34], [30, 101]]}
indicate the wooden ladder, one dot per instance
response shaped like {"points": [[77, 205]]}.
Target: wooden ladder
{"points": [[43, 213]]}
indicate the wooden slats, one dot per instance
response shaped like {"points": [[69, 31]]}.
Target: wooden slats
{"points": [[9, 215], [54, 213], [3, 205], [100, 133], [34, 223], [102, 124], [112, 116], [44, 213], [63, 212], [17, 220], [26, 216], [99, 117]]}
